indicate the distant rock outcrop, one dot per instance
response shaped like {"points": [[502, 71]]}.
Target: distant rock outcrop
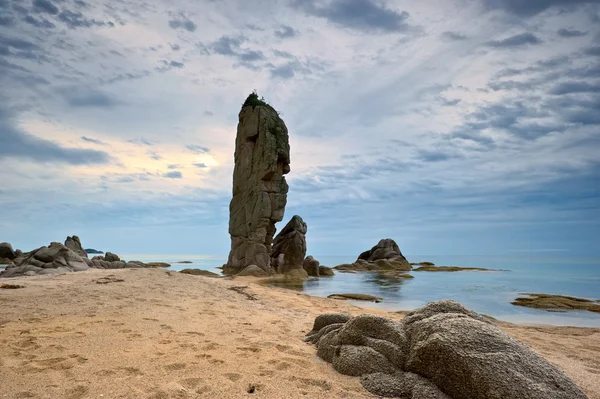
{"points": [[58, 258], [289, 246], [441, 351], [74, 244], [7, 251], [262, 158], [384, 256], [92, 251]]}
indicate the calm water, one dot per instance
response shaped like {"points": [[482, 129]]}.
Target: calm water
{"points": [[484, 292]]}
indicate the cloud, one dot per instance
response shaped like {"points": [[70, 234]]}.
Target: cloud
{"points": [[176, 64], [593, 51], [39, 23], [453, 36], [173, 175], [154, 155], [45, 6], [7, 20], [365, 15], [141, 141], [527, 8], [434, 155], [173, 166], [515, 41], [575, 87], [196, 149], [285, 32], [182, 22], [81, 97], [75, 19], [175, 47], [199, 165], [15, 143], [231, 46], [570, 33], [93, 141]]}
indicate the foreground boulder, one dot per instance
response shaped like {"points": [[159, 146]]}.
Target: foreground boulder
{"points": [[442, 351], [289, 246], [262, 158], [74, 244], [385, 255]]}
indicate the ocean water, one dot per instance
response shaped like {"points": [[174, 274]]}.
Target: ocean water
{"points": [[487, 292]]}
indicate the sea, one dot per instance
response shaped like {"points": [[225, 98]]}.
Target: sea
{"points": [[487, 292]]}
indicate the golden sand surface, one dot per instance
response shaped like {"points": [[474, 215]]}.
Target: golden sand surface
{"points": [[158, 334]]}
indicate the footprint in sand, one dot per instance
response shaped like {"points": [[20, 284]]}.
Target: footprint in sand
{"points": [[233, 376], [77, 392], [175, 366]]}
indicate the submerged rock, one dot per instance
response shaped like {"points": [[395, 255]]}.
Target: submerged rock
{"points": [[356, 297], [384, 256], [431, 268], [262, 158], [442, 351], [557, 302]]}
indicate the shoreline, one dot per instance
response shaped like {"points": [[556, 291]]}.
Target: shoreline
{"points": [[160, 334]]}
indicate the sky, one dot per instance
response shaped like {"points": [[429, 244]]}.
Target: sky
{"points": [[455, 127]]}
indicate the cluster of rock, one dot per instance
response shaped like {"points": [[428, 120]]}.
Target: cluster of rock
{"points": [[262, 158], [315, 269], [289, 247], [441, 351], [7, 253], [385, 255], [58, 258]]}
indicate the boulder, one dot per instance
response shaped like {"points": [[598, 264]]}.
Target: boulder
{"points": [[326, 271], [6, 251], [53, 259], [253, 271], [289, 246], [262, 158], [110, 257], [441, 351], [311, 265], [384, 256], [74, 244]]}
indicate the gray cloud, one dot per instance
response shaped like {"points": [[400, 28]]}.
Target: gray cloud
{"points": [[593, 51], [154, 155], [93, 141], [196, 149], [199, 165], [75, 19], [141, 141], [45, 6], [176, 64], [173, 175], [15, 143], [39, 23], [515, 41], [575, 87], [285, 71], [367, 15], [453, 36], [527, 8], [231, 46], [79, 96], [435, 155], [175, 47], [570, 33], [6, 20], [173, 166], [182, 22], [285, 32]]}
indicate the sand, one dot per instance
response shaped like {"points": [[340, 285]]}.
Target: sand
{"points": [[153, 333]]}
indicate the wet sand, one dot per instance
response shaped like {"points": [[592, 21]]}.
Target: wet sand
{"points": [[158, 334]]}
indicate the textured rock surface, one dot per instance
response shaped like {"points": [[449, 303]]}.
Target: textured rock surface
{"points": [[326, 271], [384, 256], [110, 257], [289, 246], [6, 251], [74, 244], [441, 351], [199, 272], [311, 265], [253, 271], [262, 157]]}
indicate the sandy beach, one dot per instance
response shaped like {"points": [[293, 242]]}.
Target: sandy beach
{"points": [[157, 334]]}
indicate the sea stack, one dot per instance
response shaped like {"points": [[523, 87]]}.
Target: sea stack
{"points": [[262, 158]]}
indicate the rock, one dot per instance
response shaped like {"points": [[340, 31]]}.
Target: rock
{"points": [[74, 244], [110, 257], [5, 261], [557, 302], [431, 268], [46, 260], [356, 297], [253, 271], [291, 243], [158, 264], [262, 158], [441, 351], [385, 249], [326, 271], [384, 256], [6, 251], [311, 265], [92, 251], [199, 272]]}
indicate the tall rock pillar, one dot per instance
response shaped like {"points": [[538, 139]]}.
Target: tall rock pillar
{"points": [[262, 158]]}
